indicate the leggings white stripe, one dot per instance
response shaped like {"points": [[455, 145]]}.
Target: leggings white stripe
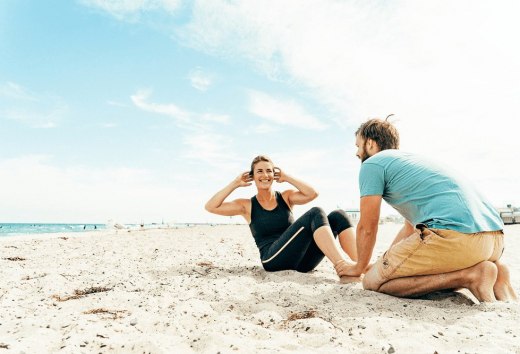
{"points": [[282, 248]]}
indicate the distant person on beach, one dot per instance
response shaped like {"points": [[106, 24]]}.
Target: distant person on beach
{"points": [[286, 244], [452, 237]]}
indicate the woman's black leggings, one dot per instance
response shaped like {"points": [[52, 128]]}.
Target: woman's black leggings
{"points": [[296, 249]]}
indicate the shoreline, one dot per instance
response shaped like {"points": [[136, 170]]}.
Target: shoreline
{"points": [[202, 289]]}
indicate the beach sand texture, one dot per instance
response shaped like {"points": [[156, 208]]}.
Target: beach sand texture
{"points": [[202, 289]]}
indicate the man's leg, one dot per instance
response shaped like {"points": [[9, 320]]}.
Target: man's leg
{"points": [[503, 289], [479, 279]]}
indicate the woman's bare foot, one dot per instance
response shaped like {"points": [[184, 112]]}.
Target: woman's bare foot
{"points": [[503, 289], [341, 267]]}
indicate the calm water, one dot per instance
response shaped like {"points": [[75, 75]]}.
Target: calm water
{"points": [[13, 229], [19, 229]]}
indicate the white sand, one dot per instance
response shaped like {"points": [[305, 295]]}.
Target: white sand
{"points": [[203, 289]]}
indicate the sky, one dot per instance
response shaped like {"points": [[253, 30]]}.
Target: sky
{"points": [[140, 110]]}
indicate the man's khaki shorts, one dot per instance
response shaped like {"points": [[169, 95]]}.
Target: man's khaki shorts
{"points": [[435, 251]]}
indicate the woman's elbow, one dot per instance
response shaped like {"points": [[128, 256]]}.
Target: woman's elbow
{"points": [[209, 208]]}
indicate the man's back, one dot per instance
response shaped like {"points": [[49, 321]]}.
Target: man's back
{"points": [[424, 192]]}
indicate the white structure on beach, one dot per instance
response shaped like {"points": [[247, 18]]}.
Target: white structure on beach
{"points": [[353, 214], [510, 214]]}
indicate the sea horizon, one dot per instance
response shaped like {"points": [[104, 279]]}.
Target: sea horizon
{"points": [[28, 228]]}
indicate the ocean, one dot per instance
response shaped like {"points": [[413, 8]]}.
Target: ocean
{"points": [[13, 229]]}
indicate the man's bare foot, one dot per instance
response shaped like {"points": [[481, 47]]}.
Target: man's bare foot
{"points": [[480, 281], [503, 289]]}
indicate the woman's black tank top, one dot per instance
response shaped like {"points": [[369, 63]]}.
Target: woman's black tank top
{"points": [[267, 225]]}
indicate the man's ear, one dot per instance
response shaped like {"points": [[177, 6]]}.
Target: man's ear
{"points": [[372, 146], [370, 143]]}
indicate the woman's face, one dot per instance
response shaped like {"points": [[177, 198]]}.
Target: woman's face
{"points": [[263, 174]]}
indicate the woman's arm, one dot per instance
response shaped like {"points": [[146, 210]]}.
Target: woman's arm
{"points": [[216, 204], [303, 195]]}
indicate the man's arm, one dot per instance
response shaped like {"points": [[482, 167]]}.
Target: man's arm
{"points": [[366, 233], [370, 208]]}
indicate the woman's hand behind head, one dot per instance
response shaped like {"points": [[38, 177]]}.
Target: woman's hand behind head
{"points": [[243, 180], [279, 176]]}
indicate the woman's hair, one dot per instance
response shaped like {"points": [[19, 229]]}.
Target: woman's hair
{"points": [[257, 160], [381, 131]]}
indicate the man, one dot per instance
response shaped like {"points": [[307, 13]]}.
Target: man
{"points": [[452, 237]]}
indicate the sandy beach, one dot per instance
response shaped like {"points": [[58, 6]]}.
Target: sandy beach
{"points": [[202, 289]]}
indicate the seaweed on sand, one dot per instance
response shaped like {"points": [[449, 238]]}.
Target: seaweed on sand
{"points": [[14, 258], [81, 293], [113, 314]]}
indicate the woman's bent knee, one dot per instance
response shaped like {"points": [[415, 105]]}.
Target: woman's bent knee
{"points": [[317, 211], [339, 220], [318, 218]]}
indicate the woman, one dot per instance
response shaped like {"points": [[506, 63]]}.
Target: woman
{"points": [[284, 243]]}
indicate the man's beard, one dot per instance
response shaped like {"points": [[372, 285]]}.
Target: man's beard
{"points": [[364, 154]]}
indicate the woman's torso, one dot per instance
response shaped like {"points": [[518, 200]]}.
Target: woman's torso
{"points": [[267, 225]]}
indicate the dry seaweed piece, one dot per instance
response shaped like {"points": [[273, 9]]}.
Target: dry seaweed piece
{"points": [[28, 277], [92, 290], [207, 267], [114, 313], [14, 258], [4, 346], [293, 316], [80, 293], [302, 315]]}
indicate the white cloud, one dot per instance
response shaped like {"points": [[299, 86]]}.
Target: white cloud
{"points": [[282, 112], [218, 118], [140, 99], [200, 80], [129, 9], [365, 59], [35, 110], [265, 129], [15, 91], [201, 145], [211, 148], [185, 119], [448, 70], [116, 104], [36, 190]]}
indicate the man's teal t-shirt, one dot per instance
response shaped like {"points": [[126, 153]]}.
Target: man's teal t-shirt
{"points": [[424, 192]]}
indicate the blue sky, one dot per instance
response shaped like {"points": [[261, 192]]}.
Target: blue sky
{"points": [[139, 110]]}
